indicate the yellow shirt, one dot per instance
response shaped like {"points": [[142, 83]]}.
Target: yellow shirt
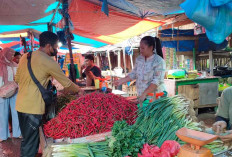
{"points": [[29, 99]]}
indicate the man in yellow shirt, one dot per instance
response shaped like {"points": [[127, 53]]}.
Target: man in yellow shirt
{"points": [[29, 103]]}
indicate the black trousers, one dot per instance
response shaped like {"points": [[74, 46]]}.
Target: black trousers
{"points": [[29, 125]]}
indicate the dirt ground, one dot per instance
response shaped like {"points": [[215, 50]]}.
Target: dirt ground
{"points": [[207, 115], [11, 148]]}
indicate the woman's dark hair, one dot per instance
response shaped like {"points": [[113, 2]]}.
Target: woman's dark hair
{"points": [[89, 57], [47, 37], [155, 42], [17, 54]]}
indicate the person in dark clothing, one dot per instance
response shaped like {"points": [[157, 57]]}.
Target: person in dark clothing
{"points": [[91, 71]]}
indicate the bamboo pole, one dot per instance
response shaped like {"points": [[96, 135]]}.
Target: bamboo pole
{"points": [[124, 59]]}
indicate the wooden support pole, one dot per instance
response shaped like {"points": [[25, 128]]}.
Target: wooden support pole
{"points": [[124, 59], [131, 59], [194, 59], [32, 41], [98, 60], [108, 54], [72, 68], [211, 62], [119, 58], [110, 66]]}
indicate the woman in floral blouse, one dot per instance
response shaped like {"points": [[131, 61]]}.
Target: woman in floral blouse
{"points": [[149, 70]]}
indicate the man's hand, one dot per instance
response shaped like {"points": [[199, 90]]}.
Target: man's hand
{"points": [[219, 126]]}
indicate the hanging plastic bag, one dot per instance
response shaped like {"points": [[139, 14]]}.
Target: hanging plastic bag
{"points": [[200, 12], [216, 20], [216, 3]]}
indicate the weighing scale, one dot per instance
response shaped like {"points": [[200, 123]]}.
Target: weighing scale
{"points": [[195, 140]]}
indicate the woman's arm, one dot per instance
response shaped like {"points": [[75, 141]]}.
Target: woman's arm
{"points": [[122, 81], [130, 77]]}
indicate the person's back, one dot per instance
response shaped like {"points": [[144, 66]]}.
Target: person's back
{"points": [[225, 108], [42, 66], [30, 104]]}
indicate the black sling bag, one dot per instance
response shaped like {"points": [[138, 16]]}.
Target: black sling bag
{"points": [[49, 94]]}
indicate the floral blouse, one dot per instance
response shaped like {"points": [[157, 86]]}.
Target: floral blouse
{"points": [[149, 71]]}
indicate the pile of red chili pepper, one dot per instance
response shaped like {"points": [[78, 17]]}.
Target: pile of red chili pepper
{"points": [[90, 114]]}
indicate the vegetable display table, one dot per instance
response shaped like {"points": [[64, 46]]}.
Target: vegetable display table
{"points": [[203, 92]]}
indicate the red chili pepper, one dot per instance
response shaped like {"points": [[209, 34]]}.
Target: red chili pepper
{"points": [[90, 114]]}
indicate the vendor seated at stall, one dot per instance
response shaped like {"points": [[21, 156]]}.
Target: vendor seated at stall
{"points": [[224, 115], [90, 71]]}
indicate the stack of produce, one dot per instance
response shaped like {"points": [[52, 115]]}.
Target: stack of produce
{"points": [[91, 114], [168, 149], [126, 140], [160, 120]]}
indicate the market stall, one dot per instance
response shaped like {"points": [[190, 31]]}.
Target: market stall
{"points": [[109, 130], [203, 91]]}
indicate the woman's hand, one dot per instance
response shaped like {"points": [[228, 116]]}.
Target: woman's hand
{"points": [[118, 82], [142, 98], [219, 126]]}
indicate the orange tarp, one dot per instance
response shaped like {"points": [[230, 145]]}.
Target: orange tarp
{"points": [[89, 21]]}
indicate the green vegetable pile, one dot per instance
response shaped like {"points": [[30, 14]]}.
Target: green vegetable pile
{"points": [[160, 120], [62, 100], [99, 149], [127, 140]]}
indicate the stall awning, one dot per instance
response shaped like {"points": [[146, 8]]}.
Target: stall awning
{"points": [[89, 21]]}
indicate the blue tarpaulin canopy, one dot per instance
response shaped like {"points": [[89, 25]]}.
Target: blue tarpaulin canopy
{"points": [[188, 45]]}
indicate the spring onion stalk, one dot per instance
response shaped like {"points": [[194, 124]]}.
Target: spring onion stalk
{"points": [[98, 149]]}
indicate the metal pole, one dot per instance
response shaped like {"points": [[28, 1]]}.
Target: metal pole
{"points": [[65, 12]]}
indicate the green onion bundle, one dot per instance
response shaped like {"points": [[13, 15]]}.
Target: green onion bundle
{"points": [[98, 149]]}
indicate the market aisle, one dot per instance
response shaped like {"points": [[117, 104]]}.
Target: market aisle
{"points": [[11, 148]]}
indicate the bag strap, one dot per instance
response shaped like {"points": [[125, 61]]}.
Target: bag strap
{"points": [[41, 88]]}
